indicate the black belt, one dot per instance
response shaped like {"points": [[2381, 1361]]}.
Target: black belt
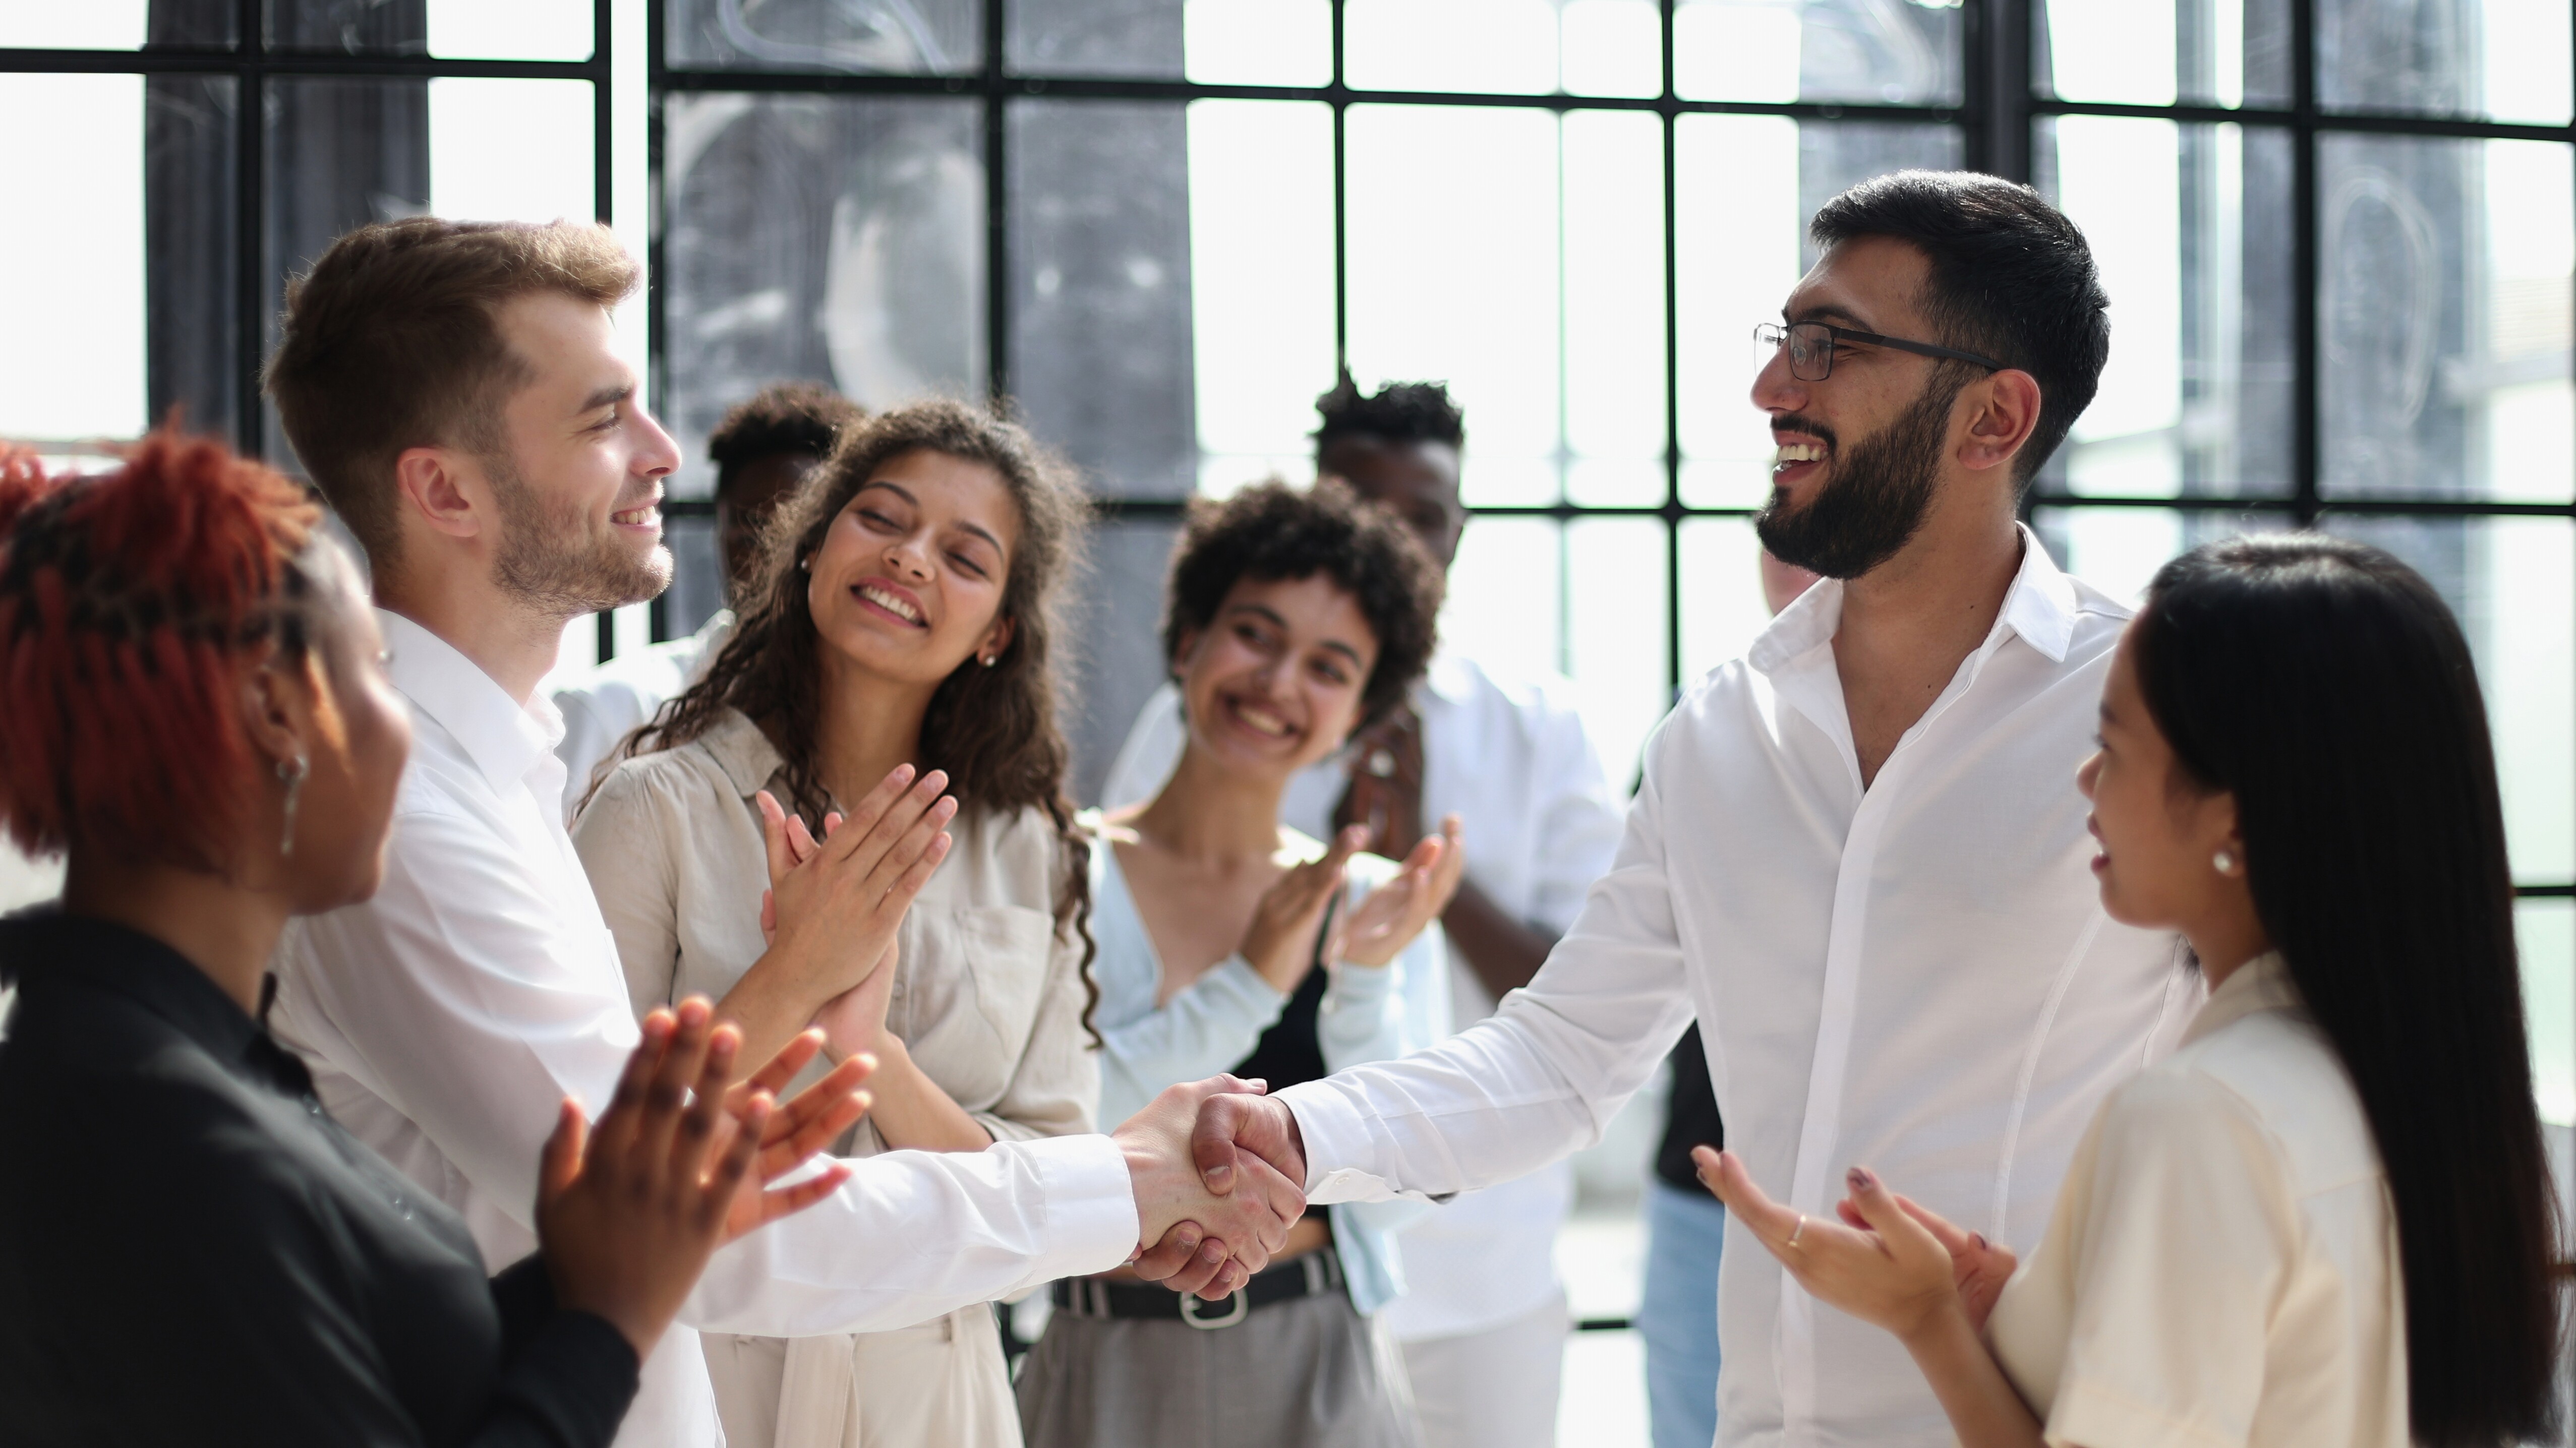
{"points": [[1312, 1275]]}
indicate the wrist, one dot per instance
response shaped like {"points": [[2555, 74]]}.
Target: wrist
{"points": [[1938, 1329]]}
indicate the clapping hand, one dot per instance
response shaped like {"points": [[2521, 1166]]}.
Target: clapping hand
{"points": [[1886, 1260], [1279, 944], [1379, 929], [1197, 1236], [795, 1132], [834, 904]]}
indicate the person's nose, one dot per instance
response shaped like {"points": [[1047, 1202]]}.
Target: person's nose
{"points": [[659, 456], [908, 557], [2087, 773], [1774, 390]]}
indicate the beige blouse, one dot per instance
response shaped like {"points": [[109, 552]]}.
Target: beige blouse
{"points": [[2221, 1268], [989, 995]]}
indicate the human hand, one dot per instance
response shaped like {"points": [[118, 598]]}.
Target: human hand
{"points": [[1382, 925], [628, 1213], [835, 903], [1385, 792], [795, 1132], [789, 844], [1978, 1267], [1280, 941], [1889, 1271], [1195, 1238], [854, 1021]]}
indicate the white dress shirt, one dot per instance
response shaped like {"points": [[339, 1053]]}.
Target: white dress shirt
{"points": [[604, 703], [1917, 976], [2221, 1270], [446, 1018], [1511, 759]]}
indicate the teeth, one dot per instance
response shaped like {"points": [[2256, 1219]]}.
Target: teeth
{"points": [[637, 517], [1262, 720], [1789, 453], [891, 604]]}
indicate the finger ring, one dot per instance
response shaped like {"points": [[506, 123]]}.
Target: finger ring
{"points": [[1797, 1230]]}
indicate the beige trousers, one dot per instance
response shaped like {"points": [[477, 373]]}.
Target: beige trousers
{"points": [[939, 1385]]}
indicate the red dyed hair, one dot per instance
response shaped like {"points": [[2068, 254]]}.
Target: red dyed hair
{"points": [[128, 602]]}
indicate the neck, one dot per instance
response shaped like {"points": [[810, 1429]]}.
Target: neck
{"points": [[505, 638], [2227, 946], [1213, 815], [1938, 598], [869, 725], [225, 929]]}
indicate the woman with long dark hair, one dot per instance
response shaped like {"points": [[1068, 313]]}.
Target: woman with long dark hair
{"points": [[191, 1250], [2327, 1218], [902, 630]]}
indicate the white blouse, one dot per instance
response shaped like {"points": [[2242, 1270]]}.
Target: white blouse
{"points": [[2222, 1265]]}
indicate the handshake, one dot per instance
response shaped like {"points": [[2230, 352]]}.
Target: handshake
{"points": [[1219, 1172]]}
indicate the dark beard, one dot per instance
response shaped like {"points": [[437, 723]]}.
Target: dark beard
{"points": [[1874, 502], [541, 565]]}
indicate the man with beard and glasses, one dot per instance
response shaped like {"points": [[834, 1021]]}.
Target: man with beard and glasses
{"points": [[1858, 851], [455, 390]]}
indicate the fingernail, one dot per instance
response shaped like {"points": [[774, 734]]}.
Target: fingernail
{"points": [[1861, 1180], [1980, 1239], [1211, 1253]]}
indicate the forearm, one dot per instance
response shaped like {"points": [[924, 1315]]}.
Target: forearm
{"points": [[1503, 952], [911, 1112], [766, 1009], [1984, 1408]]}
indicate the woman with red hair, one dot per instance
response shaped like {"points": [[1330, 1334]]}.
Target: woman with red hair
{"points": [[190, 1249]]}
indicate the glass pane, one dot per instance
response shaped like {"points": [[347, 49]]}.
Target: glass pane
{"points": [[2160, 52], [512, 150], [1583, 47], [1506, 603], [193, 362], [341, 153], [835, 239], [116, 24], [1261, 284], [510, 29], [2512, 582], [1100, 290], [1721, 583], [2443, 306], [1490, 217], [2545, 932], [1617, 595], [1816, 50], [1613, 296], [72, 285], [2190, 226], [1117, 618], [697, 575], [1095, 37], [860, 37], [1258, 42], [349, 27], [2506, 59], [1744, 189]]}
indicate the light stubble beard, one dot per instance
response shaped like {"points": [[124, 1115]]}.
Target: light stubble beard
{"points": [[1875, 500], [554, 562]]}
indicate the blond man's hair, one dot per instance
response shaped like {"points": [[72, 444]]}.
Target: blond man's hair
{"points": [[392, 342]]}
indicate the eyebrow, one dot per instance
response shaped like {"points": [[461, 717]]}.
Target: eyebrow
{"points": [[608, 396], [900, 491], [1336, 645], [1829, 312]]}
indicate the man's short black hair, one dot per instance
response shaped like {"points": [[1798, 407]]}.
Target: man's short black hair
{"points": [[1399, 412], [1272, 531], [2011, 278], [801, 419]]}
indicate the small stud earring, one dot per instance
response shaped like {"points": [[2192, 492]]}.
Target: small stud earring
{"points": [[292, 773], [991, 659], [2225, 862]]}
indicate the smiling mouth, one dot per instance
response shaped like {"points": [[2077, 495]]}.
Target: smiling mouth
{"points": [[647, 516], [1792, 454], [1261, 721], [890, 603]]}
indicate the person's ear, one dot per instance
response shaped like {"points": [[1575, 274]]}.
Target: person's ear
{"points": [[443, 489], [996, 639], [2003, 413], [1184, 652], [2219, 834], [277, 705]]}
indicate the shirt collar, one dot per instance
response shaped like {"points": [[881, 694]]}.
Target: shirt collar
{"points": [[743, 752], [1450, 677], [74, 951], [2260, 984], [504, 738], [2039, 608]]}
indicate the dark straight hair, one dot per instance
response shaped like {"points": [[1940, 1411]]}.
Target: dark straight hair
{"points": [[2324, 685]]}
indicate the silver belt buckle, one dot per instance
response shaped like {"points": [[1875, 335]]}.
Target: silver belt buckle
{"points": [[1236, 1307]]}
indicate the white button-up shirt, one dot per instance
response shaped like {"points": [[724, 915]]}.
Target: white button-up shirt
{"points": [[1917, 975], [446, 1018], [1509, 757]]}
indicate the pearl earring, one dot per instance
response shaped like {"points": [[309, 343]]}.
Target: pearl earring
{"points": [[2225, 862], [991, 659]]}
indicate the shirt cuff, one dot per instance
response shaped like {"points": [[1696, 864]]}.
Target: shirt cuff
{"points": [[1091, 1221], [1335, 1134]]}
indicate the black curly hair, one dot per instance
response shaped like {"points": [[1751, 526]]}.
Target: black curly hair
{"points": [[1273, 531], [802, 418], [1397, 412]]}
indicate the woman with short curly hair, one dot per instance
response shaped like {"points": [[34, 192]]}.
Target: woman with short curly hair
{"points": [[1297, 616]]}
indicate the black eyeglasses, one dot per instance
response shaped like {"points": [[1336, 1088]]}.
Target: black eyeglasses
{"points": [[1811, 347]]}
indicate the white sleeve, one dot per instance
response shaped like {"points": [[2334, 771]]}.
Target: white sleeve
{"points": [[1538, 1079], [1153, 749], [914, 1234]]}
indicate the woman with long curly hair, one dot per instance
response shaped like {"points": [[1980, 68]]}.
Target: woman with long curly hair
{"points": [[905, 621], [191, 1249]]}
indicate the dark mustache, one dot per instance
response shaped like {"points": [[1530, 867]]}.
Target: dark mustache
{"points": [[1796, 422]]}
